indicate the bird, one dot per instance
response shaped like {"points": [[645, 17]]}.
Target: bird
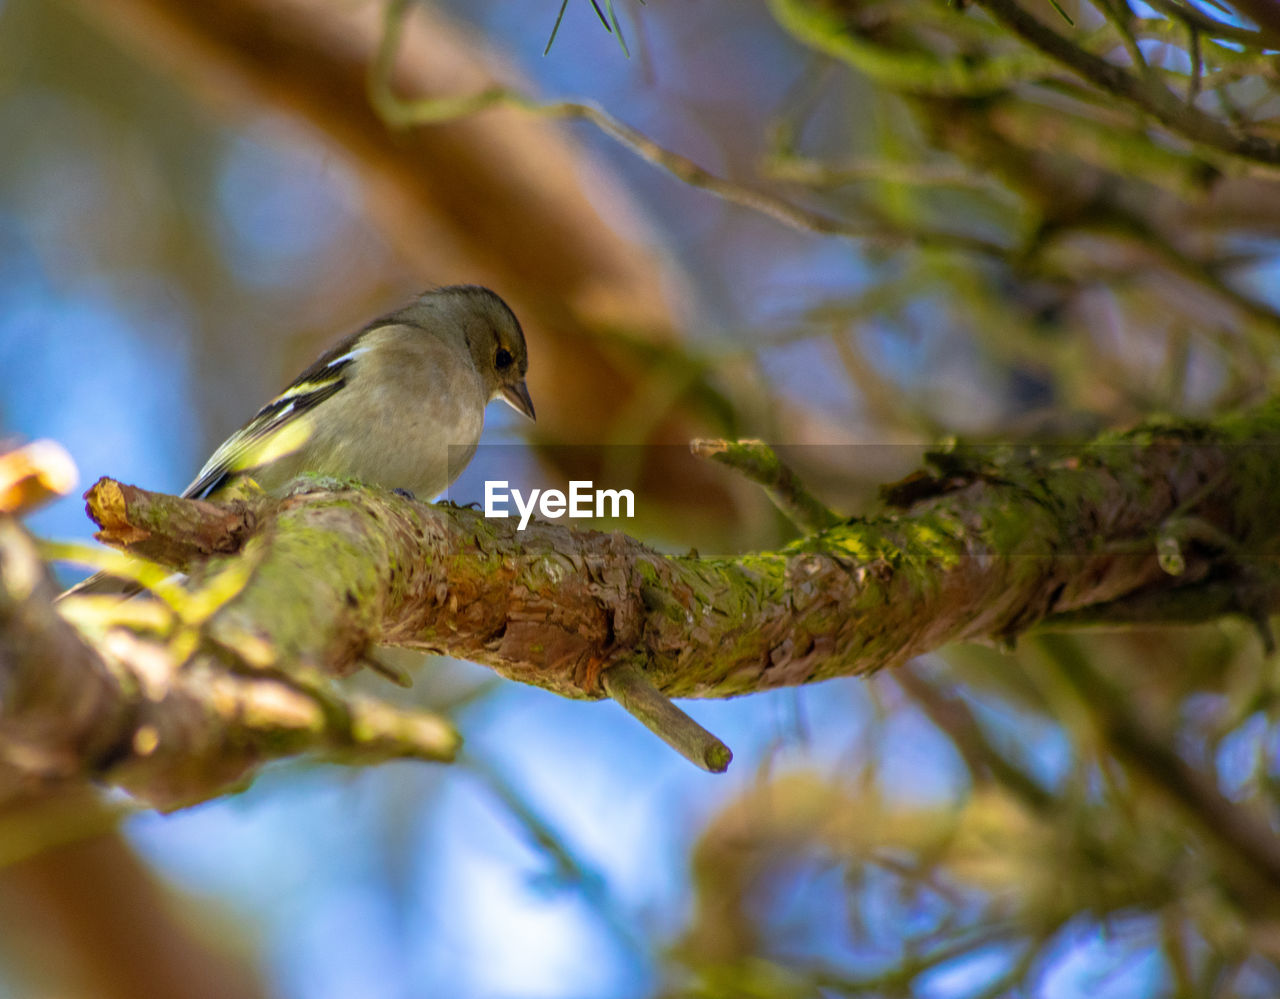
{"points": [[399, 403]]}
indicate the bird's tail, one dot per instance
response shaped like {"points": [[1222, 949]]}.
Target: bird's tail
{"points": [[103, 584]]}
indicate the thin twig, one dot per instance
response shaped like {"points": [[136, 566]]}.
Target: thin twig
{"points": [[1149, 95], [1242, 837], [760, 463], [1197, 62], [627, 684], [438, 110], [569, 868], [1120, 16], [1201, 21], [795, 169], [956, 719]]}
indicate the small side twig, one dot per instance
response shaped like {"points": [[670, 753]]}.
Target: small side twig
{"points": [[193, 530], [760, 463], [627, 684], [568, 867], [386, 669], [957, 721]]}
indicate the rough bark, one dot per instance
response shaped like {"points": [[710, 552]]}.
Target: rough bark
{"points": [[992, 542]]}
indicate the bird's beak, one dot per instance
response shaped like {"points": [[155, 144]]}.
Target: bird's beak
{"points": [[517, 397]]}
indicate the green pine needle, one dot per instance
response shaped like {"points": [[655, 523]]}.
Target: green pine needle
{"points": [[608, 19], [617, 28], [555, 29], [1065, 16]]}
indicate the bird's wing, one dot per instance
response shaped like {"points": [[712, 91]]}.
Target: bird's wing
{"points": [[278, 428]]}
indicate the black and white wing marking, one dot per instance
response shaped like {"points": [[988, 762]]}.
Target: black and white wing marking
{"points": [[276, 430]]}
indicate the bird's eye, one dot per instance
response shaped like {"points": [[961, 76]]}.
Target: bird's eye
{"points": [[503, 358]]}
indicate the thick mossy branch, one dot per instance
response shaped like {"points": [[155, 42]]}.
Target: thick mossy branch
{"points": [[181, 700], [998, 541]]}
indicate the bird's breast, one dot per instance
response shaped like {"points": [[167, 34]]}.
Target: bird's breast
{"points": [[419, 433]]}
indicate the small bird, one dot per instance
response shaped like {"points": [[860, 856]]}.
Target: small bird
{"points": [[400, 404]]}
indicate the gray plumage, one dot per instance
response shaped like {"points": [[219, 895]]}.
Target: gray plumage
{"points": [[400, 403]]}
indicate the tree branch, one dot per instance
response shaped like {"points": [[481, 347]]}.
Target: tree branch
{"points": [[1147, 94], [157, 710], [1247, 849], [626, 684], [761, 464], [454, 107], [989, 544]]}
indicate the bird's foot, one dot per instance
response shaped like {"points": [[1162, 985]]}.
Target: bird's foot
{"points": [[473, 505], [311, 483]]}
